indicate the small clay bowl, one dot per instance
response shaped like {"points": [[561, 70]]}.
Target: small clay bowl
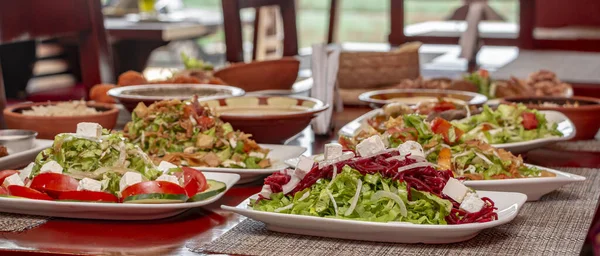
{"points": [[277, 74], [270, 119], [49, 126], [585, 116], [130, 96]]}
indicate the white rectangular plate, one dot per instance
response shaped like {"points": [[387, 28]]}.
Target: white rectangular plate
{"points": [[534, 188], [110, 211], [278, 154], [23, 158], [508, 205], [564, 125]]}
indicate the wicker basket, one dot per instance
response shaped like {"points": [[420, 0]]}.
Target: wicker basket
{"points": [[361, 70]]}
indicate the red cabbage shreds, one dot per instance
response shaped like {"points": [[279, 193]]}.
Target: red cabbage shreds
{"points": [[277, 180]]}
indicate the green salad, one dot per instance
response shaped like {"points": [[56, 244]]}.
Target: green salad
{"points": [[105, 159], [506, 124], [379, 199], [185, 133]]}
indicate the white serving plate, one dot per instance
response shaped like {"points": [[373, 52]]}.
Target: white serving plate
{"points": [[278, 154], [110, 211], [564, 125], [20, 159], [534, 188], [508, 205]]}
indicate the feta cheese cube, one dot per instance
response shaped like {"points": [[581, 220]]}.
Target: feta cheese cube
{"points": [[92, 130], [472, 203], [169, 178], [257, 154], [128, 179], [266, 191], [370, 146], [51, 166], [411, 147], [455, 190], [333, 151], [13, 180], [164, 166], [347, 156], [304, 166], [24, 174], [89, 185]]}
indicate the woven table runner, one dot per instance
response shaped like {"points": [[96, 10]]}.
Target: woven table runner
{"points": [[555, 225], [11, 222], [581, 145]]}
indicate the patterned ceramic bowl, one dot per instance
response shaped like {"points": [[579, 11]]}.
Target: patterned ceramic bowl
{"points": [[270, 119]]}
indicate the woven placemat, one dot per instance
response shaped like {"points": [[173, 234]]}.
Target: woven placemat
{"points": [[10, 222], [581, 145], [555, 225]]}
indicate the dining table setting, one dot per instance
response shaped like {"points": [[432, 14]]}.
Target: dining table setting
{"points": [[365, 155]]}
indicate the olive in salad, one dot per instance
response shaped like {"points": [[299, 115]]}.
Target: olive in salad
{"points": [[94, 165], [189, 134]]}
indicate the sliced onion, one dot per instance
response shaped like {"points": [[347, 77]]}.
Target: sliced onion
{"points": [[461, 154], [122, 155], [332, 201], [484, 158], [306, 195], [143, 137], [287, 207], [468, 111], [288, 187], [415, 165], [332, 176], [381, 194], [354, 198]]}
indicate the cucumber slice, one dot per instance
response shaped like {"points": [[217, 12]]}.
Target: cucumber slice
{"points": [[156, 198], [214, 188]]}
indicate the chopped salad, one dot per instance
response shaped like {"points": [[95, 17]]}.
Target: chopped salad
{"points": [[506, 124], [186, 133], [395, 185], [447, 146], [93, 165]]}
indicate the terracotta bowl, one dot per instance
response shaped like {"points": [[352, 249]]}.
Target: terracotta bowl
{"points": [[270, 119], [130, 96], [261, 75], [49, 126], [585, 116], [381, 97]]}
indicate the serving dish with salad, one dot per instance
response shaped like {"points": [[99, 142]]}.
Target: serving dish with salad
{"points": [[97, 174], [190, 134], [374, 193]]}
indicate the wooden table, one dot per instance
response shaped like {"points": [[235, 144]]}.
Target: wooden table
{"points": [[170, 236], [132, 42]]}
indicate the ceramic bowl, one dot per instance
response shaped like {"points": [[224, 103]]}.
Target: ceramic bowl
{"points": [[270, 119], [586, 116], [49, 126], [17, 140], [277, 74], [409, 96], [130, 96]]}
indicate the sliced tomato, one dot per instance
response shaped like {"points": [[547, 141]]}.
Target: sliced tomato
{"points": [[54, 184], [443, 106], [190, 174], [3, 191], [6, 173], [346, 143], [150, 187], [205, 122], [441, 126], [26, 192], [93, 196], [486, 127], [529, 121]]}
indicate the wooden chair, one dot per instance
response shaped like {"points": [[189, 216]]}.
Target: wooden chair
{"points": [[26, 20]]}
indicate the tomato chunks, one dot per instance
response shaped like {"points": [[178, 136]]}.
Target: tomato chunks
{"points": [[21, 191], [151, 187], [529, 121], [89, 196], [54, 184], [194, 181], [450, 133]]}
